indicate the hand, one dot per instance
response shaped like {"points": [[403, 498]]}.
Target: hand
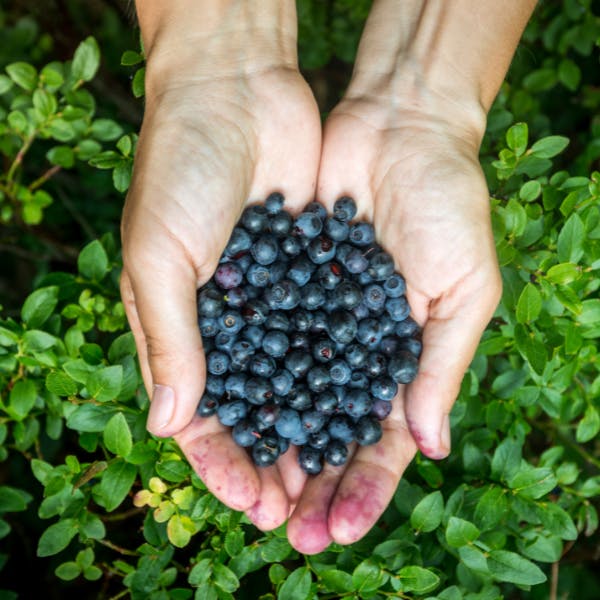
{"points": [[415, 175], [207, 144]]}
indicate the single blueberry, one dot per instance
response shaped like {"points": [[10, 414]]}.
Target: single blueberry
{"points": [[262, 365], [253, 334], [337, 230], [278, 320], [291, 246], [274, 202], [265, 451], [312, 421], [348, 294], [321, 249], [323, 350], [318, 379], [309, 460], [300, 270], [232, 412], [208, 405], [319, 439], [413, 345], [381, 266], [326, 402], [209, 326], [289, 423], [281, 224], [369, 332], [394, 286], [368, 431], [298, 363], [344, 209], [215, 385], [231, 321], [217, 362], [407, 328], [299, 398], [302, 320], [341, 427], [375, 365], [339, 371], [210, 303], [228, 275], [275, 343], [245, 433], [300, 340], [308, 225], [384, 388], [266, 416], [375, 297], [359, 381], [282, 382], [316, 208], [265, 249], [381, 409], [258, 390], [235, 384], [313, 296], [329, 275], [397, 308], [255, 312], [403, 367], [236, 297], [336, 453], [239, 242], [355, 262], [356, 355], [255, 218], [258, 275], [342, 326]]}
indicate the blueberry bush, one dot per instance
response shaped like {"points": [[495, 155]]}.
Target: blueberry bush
{"points": [[95, 506]]}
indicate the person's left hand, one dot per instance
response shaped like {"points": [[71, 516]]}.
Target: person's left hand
{"points": [[415, 174]]}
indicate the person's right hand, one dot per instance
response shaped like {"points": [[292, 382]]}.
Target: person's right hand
{"points": [[215, 133]]}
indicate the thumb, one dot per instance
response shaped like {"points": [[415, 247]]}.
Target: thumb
{"points": [[164, 289], [450, 339]]}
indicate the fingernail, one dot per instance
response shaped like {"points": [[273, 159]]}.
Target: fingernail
{"points": [[445, 441], [161, 408]]}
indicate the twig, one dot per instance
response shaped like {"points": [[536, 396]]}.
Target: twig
{"points": [[118, 549], [132, 512], [19, 157], [44, 177], [554, 582]]}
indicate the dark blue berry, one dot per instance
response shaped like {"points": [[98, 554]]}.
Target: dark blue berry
{"points": [[281, 224], [313, 296], [253, 334], [231, 321], [209, 326], [318, 379], [323, 350], [356, 355], [232, 412], [255, 219], [344, 209], [245, 433], [265, 451], [241, 351], [235, 385], [358, 380], [299, 398], [329, 275], [262, 365], [319, 439], [278, 321], [342, 326], [258, 275], [397, 308], [275, 343], [348, 294], [403, 367], [355, 262], [274, 202], [286, 294], [369, 332], [414, 346], [208, 405], [337, 230], [215, 385], [316, 208], [384, 388], [336, 453], [236, 297], [265, 250], [228, 275], [375, 297], [381, 409], [288, 424], [361, 234], [300, 340], [282, 382], [394, 286], [258, 390], [339, 372], [266, 416], [309, 460], [341, 428], [368, 431], [381, 266], [300, 271], [407, 328], [375, 364], [308, 224], [319, 323], [217, 362], [239, 242], [255, 312], [291, 246], [321, 249], [298, 363], [210, 303], [312, 421], [326, 402]]}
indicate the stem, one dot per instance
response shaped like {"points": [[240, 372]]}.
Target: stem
{"points": [[121, 594], [118, 549], [554, 582], [19, 157], [44, 177], [132, 512]]}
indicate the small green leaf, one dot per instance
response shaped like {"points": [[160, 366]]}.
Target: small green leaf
{"points": [[117, 435], [92, 573], [22, 398], [13, 499], [179, 530], [588, 427], [563, 273], [39, 306], [337, 581], [5, 84], [36, 340], [106, 130], [418, 580], [86, 60], [68, 571], [557, 520], [428, 513], [122, 176], [139, 82], [234, 542], [517, 137], [23, 74], [61, 384], [460, 532], [92, 262], [200, 572], [105, 383], [296, 586], [529, 304], [116, 483], [62, 156], [368, 577], [57, 537], [512, 568], [549, 146], [225, 578], [275, 550], [506, 459], [540, 546], [45, 103], [570, 240], [569, 74], [533, 483], [590, 312], [130, 58], [530, 191]]}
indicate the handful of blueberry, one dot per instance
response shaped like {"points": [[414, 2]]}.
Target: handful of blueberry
{"points": [[307, 333]]}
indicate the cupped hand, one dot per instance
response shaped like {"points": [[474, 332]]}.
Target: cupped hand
{"points": [[414, 174], [207, 145]]}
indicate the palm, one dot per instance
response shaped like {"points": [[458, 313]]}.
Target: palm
{"points": [[204, 150], [428, 200]]}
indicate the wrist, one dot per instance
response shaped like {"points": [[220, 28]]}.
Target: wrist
{"points": [[191, 41]]}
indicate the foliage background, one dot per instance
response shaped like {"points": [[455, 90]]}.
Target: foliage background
{"points": [[95, 507]]}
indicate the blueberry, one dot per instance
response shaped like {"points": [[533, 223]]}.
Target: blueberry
{"points": [[210, 303], [253, 334], [317, 208], [368, 431], [361, 234], [356, 355], [300, 271], [309, 460], [245, 433], [298, 363], [224, 341], [381, 266], [258, 275], [255, 312], [299, 398], [244, 261], [359, 381], [208, 405], [209, 326], [394, 286], [232, 412], [228, 275], [388, 325], [236, 297], [291, 246], [275, 343], [278, 270], [323, 350], [344, 209], [262, 365], [265, 250], [321, 249], [319, 439], [341, 428], [312, 421], [319, 324], [300, 341], [389, 345], [282, 382], [301, 320], [407, 328], [231, 321], [348, 294], [300, 439], [326, 402], [278, 321], [403, 367], [369, 332], [215, 385], [361, 311], [235, 384], [365, 279], [313, 296], [336, 453], [384, 388], [286, 294], [258, 390], [381, 409], [283, 444], [217, 362], [329, 275], [342, 326], [255, 219], [281, 224], [355, 262], [412, 345], [308, 224], [397, 308], [318, 379], [288, 424], [265, 451], [241, 351], [239, 242], [274, 202], [266, 416], [339, 372], [375, 364], [375, 297]]}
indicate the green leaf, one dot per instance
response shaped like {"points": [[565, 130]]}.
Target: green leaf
{"points": [[63, 156], [61, 384], [588, 427], [549, 146], [533, 483], [540, 546], [225, 578], [23, 74], [39, 306], [117, 435], [460, 532], [557, 520], [428, 513], [106, 130], [45, 103], [368, 577], [139, 83], [122, 176], [57, 537], [512, 568], [13, 499], [200, 572], [336, 581], [275, 550], [296, 586], [517, 137], [569, 74], [563, 273], [105, 383], [530, 191], [86, 60], [506, 459], [179, 530], [22, 398], [130, 58], [529, 304], [5, 84], [92, 573], [68, 571], [87, 149], [418, 580], [36, 340], [540, 80], [570, 240], [92, 262], [590, 312], [116, 483], [532, 349], [234, 542]]}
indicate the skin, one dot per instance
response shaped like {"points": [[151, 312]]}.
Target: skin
{"points": [[403, 142]]}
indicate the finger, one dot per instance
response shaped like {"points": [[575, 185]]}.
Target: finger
{"points": [[224, 467], [272, 507], [371, 480], [292, 476], [164, 286], [450, 337]]}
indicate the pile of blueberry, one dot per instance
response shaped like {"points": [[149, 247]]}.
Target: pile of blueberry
{"points": [[307, 333]]}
